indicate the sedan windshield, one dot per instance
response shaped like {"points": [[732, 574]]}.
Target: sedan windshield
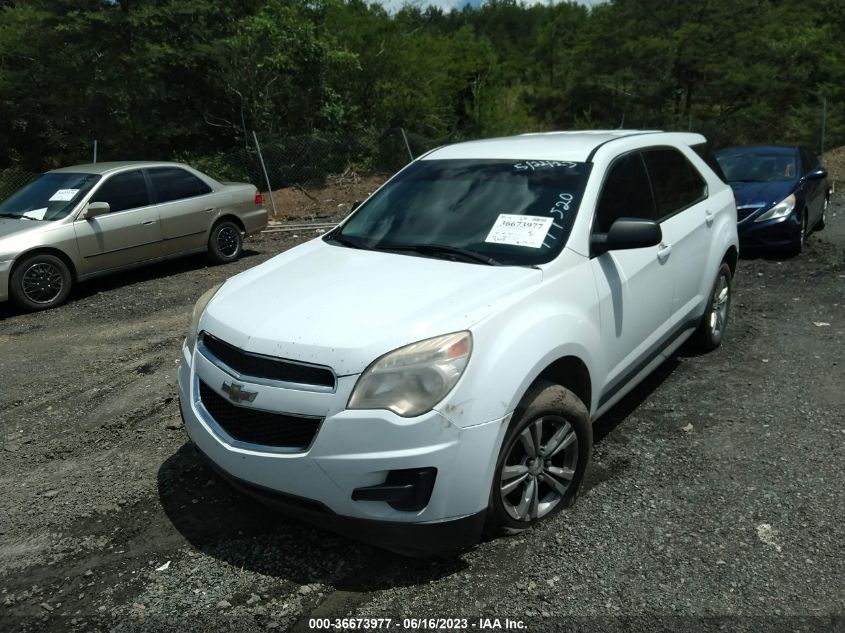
{"points": [[49, 197], [480, 211], [759, 166]]}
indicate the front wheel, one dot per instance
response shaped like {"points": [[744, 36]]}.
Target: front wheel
{"points": [[542, 461], [225, 242], [823, 220], [798, 244], [710, 331], [40, 282]]}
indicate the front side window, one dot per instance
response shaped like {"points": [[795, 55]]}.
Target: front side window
{"points": [[173, 183], [123, 191], [625, 193], [514, 212], [49, 197], [675, 182]]}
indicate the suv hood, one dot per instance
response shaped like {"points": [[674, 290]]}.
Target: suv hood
{"points": [[342, 307]]}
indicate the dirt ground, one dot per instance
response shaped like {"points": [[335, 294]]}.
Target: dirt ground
{"points": [[714, 500], [319, 203]]}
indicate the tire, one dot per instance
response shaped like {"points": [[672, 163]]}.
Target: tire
{"points": [[40, 282], [798, 245], [225, 242], [823, 220], [561, 417], [711, 330]]}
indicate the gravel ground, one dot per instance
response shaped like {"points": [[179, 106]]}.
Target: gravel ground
{"points": [[714, 500]]}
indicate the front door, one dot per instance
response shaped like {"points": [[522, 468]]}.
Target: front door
{"points": [[634, 286], [129, 233]]}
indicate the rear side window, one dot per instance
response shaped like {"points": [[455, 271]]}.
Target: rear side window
{"points": [[172, 183], [675, 182], [706, 154], [123, 191], [625, 193]]}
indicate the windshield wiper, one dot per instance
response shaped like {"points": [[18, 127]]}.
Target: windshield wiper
{"points": [[439, 249], [335, 236], [18, 217]]}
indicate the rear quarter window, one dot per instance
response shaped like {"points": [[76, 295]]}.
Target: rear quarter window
{"points": [[173, 183]]}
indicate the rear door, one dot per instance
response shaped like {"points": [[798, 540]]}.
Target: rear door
{"points": [[129, 233], [186, 206], [686, 219], [634, 286]]}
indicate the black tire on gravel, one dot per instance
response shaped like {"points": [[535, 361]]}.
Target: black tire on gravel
{"points": [[40, 282], [711, 330], [225, 242], [550, 413]]}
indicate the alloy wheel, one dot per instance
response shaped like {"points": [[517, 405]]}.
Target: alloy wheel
{"points": [[539, 468], [227, 241], [719, 309], [42, 282]]}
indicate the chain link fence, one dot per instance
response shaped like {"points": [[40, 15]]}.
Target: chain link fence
{"points": [[296, 160], [309, 159], [12, 179]]}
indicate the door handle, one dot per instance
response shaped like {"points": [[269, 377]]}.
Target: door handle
{"points": [[663, 252], [709, 218], [209, 209], [148, 222]]}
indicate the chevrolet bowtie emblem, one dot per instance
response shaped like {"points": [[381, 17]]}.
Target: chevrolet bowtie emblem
{"points": [[237, 393]]}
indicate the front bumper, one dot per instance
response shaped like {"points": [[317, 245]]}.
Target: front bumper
{"points": [[353, 450], [5, 271], [778, 233]]}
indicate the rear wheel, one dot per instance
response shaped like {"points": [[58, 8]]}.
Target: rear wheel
{"points": [[40, 282], [225, 242], [542, 461], [710, 331]]}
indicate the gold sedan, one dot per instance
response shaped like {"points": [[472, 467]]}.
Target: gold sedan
{"points": [[75, 223]]}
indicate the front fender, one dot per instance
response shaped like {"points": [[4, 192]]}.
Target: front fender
{"points": [[511, 349]]}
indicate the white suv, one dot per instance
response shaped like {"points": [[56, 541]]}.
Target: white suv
{"points": [[434, 364]]}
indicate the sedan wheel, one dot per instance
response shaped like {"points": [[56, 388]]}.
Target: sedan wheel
{"points": [[542, 460], [40, 282], [823, 220], [225, 242]]}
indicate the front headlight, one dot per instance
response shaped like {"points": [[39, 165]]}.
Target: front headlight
{"points": [[780, 210], [410, 380], [199, 308]]}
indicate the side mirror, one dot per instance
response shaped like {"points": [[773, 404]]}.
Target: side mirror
{"points": [[816, 174], [626, 233], [93, 209]]}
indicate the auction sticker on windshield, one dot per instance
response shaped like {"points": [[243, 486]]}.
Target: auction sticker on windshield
{"points": [[63, 195], [519, 230]]}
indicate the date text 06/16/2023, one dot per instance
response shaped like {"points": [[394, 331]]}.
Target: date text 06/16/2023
{"points": [[417, 624]]}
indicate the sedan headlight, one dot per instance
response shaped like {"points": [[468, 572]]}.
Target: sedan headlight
{"points": [[410, 380], [199, 308], [780, 210]]}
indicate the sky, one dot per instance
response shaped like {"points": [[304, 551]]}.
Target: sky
{"points": [[446, 5]]}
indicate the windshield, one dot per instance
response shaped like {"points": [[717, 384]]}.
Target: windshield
{"points": [[49, 197], [758, 166], [516, 212]]}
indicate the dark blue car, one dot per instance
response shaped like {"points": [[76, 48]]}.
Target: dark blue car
{"points": [[781, 193]]}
